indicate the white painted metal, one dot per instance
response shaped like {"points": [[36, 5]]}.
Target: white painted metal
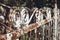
{"points": [[17, 39], [33, 14], [2, 17], [16, 20], [24, 17], [9, 36], [55, 14], [48, 12], [35, 34], [43, 31], [37, 15]]}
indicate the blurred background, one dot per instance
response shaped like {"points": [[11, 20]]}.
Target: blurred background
{"points": [[31, 3]]}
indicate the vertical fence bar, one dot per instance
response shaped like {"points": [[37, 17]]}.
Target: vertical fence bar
{"points": [[55, 13], [43, 31], [35, 34]]}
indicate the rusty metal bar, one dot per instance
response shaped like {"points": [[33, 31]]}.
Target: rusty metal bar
{"points": [[31, 27]]}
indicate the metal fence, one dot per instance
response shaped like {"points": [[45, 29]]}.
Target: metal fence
{"points": [[22, 27]]}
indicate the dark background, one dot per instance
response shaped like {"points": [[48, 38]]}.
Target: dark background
{"points": [[31, 3]]}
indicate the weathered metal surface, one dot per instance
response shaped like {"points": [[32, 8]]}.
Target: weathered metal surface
{"points": [[33, 31]]}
